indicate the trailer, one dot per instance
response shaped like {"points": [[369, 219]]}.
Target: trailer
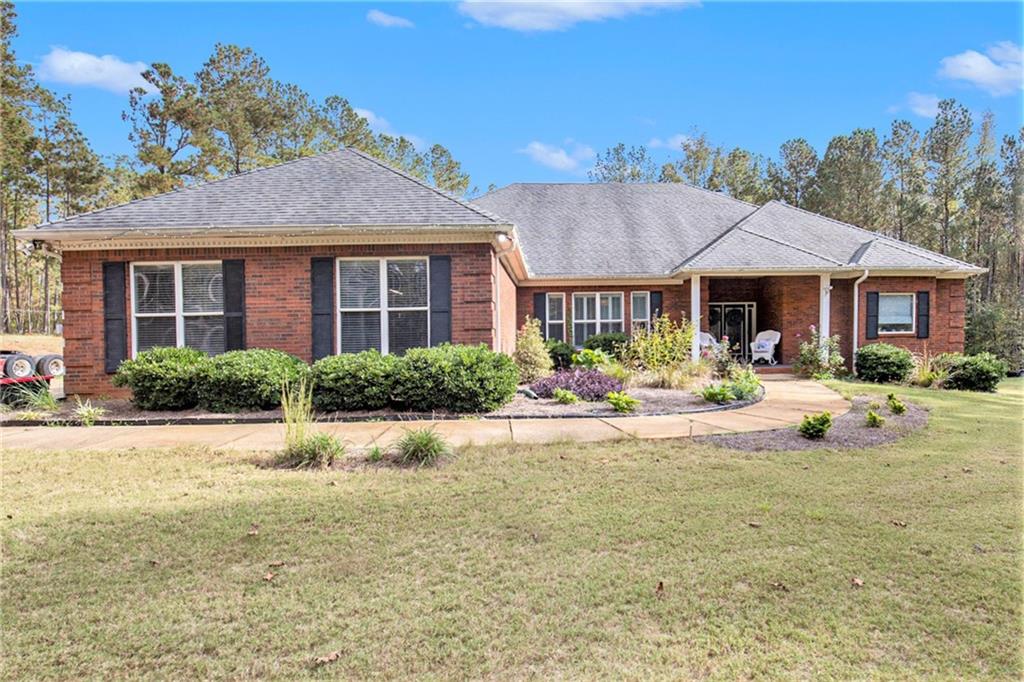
{"points": [[20, 372]]}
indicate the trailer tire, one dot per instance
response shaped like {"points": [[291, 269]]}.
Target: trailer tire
{"points": [[50, 365], [19, 366]]}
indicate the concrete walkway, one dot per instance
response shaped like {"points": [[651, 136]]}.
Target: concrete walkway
{"points": [[785, 403]]}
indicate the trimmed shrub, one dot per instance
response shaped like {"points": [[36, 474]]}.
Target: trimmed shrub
{"points": [[873, 419], [815, 426], [884, 363], [564, 397], [622, 402], [588, 384], [531, 356], [248, 379], [896, 406], [455, 378], [164, 378], [612, 343], [422, 447], [354, 381], [560, 352], [981, 372]]}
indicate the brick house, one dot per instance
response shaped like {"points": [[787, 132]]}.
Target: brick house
{"points": [[339, 252]]}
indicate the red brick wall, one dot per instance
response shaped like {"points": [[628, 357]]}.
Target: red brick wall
{"points": [[675, 299], [277, 297], [946, 326]]}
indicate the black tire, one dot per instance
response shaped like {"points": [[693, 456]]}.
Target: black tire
{"points": [[50, 365], [19, 366]]}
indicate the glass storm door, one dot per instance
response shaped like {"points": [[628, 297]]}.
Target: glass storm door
{"points": [[735, 320]]}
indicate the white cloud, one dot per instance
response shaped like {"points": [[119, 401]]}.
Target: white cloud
{"points": [[673, 142], [108, 72], [528, 15], [381, 125], [1000, 71], [569, 158], [375, 16], [923, 104]]}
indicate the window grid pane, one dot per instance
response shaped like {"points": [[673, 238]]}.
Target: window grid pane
{"points": [[639, 308], [205, 333], [154, 289], [202, 288], [556, 308], [360, 331], [406, 329], [155, 332], [407, 283], [896, 313], [359, 284]]}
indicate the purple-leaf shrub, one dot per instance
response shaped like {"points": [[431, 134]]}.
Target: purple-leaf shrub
{"points": [[588, 384]]}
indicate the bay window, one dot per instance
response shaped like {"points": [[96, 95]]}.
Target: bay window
{"points": [[178, 304], [895, 313], [595, 314], [383, 304]]}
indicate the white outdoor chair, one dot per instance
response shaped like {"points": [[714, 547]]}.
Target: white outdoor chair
{"points": [[707, 341], [763, 346]]}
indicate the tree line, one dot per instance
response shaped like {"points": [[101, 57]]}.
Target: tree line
{"points": [[953, 188], [230, 117]]}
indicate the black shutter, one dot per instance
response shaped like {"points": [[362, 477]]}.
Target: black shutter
{"points": [[871, 327], [540, 312], [923, 314], [655, 305], [234, 304], [322, 300], [115, 328], [440, 300]]}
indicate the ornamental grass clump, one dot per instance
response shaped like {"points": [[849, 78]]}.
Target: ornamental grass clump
{"points": [[531, 356], [422, 447], [589, 384]]}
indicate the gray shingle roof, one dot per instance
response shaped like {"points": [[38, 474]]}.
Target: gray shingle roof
{"points": [[339, 188], [779, 236], [594, 230]]}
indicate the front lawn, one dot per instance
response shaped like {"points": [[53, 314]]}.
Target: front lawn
{"points": [[529, 561]]}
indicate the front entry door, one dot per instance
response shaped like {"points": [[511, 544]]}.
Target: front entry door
{"points": [[738, 321]]}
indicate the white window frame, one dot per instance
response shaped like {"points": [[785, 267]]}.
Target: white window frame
{"points": [[600, 324], [634, 321], [179, 313], [913, 313], [547, 315], [383, 307]]}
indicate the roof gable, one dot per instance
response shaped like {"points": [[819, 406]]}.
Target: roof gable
{"points": [[339, 188]]}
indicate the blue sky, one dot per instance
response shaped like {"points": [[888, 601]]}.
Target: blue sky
{"points": [[530, 93]]}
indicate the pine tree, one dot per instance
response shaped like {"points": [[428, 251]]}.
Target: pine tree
{"points": [[793, 179], [849, 180], [948, 159], [905, 190], [619, 164]]}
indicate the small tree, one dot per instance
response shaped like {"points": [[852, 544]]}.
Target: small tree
{"points": [[531, 355]]}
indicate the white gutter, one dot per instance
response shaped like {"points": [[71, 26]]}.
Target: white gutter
{"points": [[856, 316]]}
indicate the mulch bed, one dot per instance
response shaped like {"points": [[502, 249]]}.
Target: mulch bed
{"points": [[848, 431], [653, 401]]}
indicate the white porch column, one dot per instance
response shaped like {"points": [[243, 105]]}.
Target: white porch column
{"points": [[695, 316], [825, 312]]}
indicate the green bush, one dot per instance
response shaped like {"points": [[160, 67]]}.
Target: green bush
{"points": [[811, 362], [744, 384], [873, 419], [997, 327], [590, 359], [314, 451], [981, 372], [565, 397], [422, 447], [896, 406], [455, 378], [248, 379], [717, 393], [164, 378], [884, 363], [560, 352], [622, 402], [815, 426], [531, 357], [667, 343], [612, 343], [354, 381]]}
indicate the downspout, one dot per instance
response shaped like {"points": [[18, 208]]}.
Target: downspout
{"points": [[856, 317]]}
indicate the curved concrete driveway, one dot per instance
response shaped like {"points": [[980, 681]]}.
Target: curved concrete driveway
{"points": [[785, 403]]}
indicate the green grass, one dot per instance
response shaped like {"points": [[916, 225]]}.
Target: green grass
{"points": [[529, 561]]}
